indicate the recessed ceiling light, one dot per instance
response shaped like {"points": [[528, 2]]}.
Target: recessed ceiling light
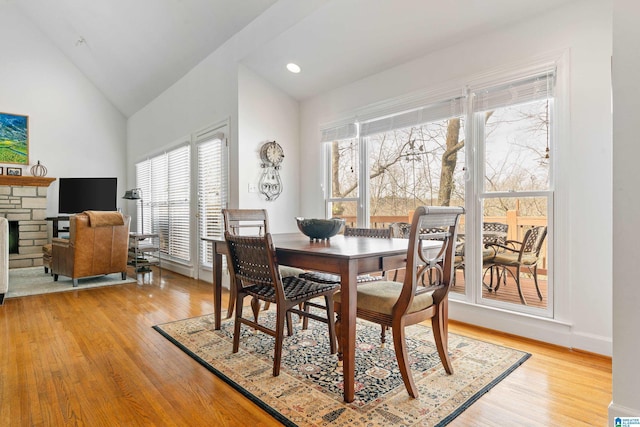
{"points": [[294, 68]]}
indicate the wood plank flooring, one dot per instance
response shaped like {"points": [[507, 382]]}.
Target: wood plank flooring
{"points": [[90, 357]]}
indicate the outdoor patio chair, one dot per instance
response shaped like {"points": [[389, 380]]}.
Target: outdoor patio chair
{"points": [[492, 232], [397, 305], [256, 275], [515, 255]]}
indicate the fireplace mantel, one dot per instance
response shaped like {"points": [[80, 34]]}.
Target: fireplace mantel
{"points": [[29, 181]]}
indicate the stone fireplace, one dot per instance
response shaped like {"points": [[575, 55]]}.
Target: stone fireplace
{"points": [[24, 200]]}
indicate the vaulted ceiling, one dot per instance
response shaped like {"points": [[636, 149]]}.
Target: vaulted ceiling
{"points": [[133, 50]]}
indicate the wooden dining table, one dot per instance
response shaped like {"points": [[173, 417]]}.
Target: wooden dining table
{"points": [[347, 256]]}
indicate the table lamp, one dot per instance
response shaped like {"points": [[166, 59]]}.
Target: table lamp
{"points": [[136, 194]]}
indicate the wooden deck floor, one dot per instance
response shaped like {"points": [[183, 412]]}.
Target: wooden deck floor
{"points": [[509, 293], [90, 357]]}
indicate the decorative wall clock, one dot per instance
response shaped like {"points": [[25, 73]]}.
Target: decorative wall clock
{"points": [[272, 155]]}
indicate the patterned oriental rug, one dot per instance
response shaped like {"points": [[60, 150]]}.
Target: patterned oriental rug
{"points": [[308, 391]]}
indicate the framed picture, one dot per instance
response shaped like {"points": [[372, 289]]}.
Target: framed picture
{"points": [[14, 171], [14, 139]]}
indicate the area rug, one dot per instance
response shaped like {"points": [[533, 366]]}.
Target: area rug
{"points": [[34, 281], [308, 391]]}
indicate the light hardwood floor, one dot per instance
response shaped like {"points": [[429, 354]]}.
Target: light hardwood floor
{"points": [[90, 357]]}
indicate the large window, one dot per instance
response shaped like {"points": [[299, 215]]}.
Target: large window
{"points": [[396, 163], [489, 151], [165, 183], [514, 134]]}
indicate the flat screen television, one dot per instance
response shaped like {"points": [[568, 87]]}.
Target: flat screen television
{"points": [[77, 195]]}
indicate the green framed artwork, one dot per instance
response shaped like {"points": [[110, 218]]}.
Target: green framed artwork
{"points": [[14, 139]]}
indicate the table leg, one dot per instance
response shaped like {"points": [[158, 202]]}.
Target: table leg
{"points": [[217, 287], [348, 306]]}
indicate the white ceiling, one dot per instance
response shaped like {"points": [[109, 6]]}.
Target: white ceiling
{"points": [[133, 50], [346, 40]]}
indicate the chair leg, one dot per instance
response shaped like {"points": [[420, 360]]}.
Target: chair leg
{"points": [[305, 319], [338, 328], [75, 282], [517, 277], [402, 356], [236, 325], [289, 324], [232, 296], [328, 299], [438, 325], [255, 307], [535, 281], [281, 315], [383, 337]]}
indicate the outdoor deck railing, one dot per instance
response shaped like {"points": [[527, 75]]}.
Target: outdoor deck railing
{"points": [[518, 226]]}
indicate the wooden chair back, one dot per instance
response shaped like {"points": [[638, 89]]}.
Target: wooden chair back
{"points": [[435, 268], [252, 261], [236, 220], [381, 233]]}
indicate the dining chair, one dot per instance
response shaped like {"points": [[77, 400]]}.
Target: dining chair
{"points": [[254, 222], [515, 255], [317, 276], [379, 233], [256, 274], [398, 305]]}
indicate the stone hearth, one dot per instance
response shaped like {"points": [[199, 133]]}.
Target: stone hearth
{"points": [[24, 199]]}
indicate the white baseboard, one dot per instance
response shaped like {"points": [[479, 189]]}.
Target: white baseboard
{"points": [[540, 329], [621, 411]]}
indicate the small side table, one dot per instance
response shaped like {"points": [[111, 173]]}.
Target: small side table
{"points": [[144, 251]]}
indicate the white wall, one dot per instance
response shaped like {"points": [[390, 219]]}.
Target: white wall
{"points": [[583, 227], [73, 129], [265, 113], [209, 94], [626, 210]]}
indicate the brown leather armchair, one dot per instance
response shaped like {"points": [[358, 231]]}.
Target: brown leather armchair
{"points": [[98, 244]]}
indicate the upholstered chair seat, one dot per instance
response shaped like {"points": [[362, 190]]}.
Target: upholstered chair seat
{"points": [[381, 297]]}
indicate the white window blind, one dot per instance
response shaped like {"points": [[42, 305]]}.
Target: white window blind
{"points": [[165, 182], [212, 189], [337, 133], [430, 113], [533, 88]]}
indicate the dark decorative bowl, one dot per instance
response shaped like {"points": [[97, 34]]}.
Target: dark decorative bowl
{"points": [[320, 229]]}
